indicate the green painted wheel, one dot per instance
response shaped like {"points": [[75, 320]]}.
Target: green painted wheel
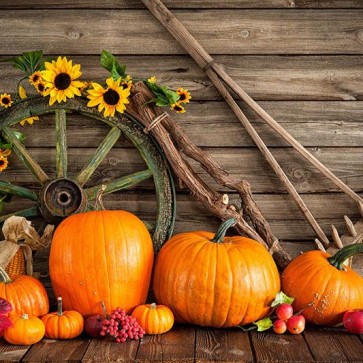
{"points": [[65, 194]]}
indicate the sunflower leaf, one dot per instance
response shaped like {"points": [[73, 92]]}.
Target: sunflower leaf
{"points": [[110, 63], [28, 62], [20, 136]]}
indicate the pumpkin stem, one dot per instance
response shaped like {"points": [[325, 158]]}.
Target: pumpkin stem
{"points": [[4, 277], [25, 316], [99, 203], [103, 306], [348, 251], [60, 306], [223, 228], [153, 306]]}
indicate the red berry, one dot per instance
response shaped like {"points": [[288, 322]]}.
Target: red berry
{"points": [[284, 311], [296, 324], [279, 326]]}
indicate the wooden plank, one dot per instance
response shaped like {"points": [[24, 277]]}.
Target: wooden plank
{"points": [[184, 4], [334, 345], [269, 347], [101, 350], [177, 345], [212, 124], [267, 77], [222, 345], [12, 353], [243, 163], [49, 350], [253, 31]]}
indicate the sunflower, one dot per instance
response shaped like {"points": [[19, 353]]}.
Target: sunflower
{"points": [[152, 79], [3, 162], [40, 87], [60, 80], [184, 95], [127, 82], [29, 120], [5, 100], [177, 107], [35, 78], [111, 99]]}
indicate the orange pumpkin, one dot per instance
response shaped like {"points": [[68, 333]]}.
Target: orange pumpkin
{"points": [[213, 280], [322, 286], [104, 255], [154, 319], [63, 324], [25, 330], [26, 294]]}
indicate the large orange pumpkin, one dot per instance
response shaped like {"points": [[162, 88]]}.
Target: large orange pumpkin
{"points": [[26, 294], [213, 280], [324, 288], [104, 255]]}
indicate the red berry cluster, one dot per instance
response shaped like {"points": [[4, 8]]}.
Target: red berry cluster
{"points": [[121, 326], [295, 324]]}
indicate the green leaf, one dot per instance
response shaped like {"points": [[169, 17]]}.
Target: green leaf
{"points": [[110, 63], [20, 136], [282, 298], [263, 324], [161, 103], [28, 62]]}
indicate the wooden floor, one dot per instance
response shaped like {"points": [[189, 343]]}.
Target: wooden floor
{"points": [[190, 344]]}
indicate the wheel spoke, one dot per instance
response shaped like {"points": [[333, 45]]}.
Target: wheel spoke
{"points": [[27, 213], [120, 183], [23, 154], [98, 156], [61, 143], [8, 188]]}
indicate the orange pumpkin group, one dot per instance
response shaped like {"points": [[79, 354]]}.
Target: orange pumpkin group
{"points": [[323, 288], [104, 255], [213, 280]]}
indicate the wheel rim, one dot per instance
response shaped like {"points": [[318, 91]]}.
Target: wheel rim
{"points": [[65, 195]]}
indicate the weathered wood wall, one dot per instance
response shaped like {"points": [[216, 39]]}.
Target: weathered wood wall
{"points": [[302, 60]]}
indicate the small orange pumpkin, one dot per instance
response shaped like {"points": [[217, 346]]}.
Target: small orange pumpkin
{"points": [[322, 286], [154, 319], [26, 294], [213, 280], [25, 330], [63, 324]]}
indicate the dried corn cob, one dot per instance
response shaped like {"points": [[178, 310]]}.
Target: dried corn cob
{"points": [[16, 266]]}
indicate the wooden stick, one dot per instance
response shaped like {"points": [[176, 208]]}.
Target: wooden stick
{"points": [[205, 61]]}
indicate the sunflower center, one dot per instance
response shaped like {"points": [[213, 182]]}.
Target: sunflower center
{"points": [[178, 108], [111, 97], [62, 81], [182, 97], [5, 101], [2, 163], [41, 87], [35, 78]]}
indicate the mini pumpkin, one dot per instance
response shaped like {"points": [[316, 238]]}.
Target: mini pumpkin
{"points": [[25, 330], [26, 294], [63, 324], [322, 286], [154, 319], [211, 280]]}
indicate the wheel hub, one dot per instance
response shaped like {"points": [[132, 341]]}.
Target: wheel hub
{"points": [[60, 198]]}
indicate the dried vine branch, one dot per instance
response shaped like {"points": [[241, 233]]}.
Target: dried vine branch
{"points": [[172, 140]]}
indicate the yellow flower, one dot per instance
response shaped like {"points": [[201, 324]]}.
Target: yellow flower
{"points": [[127, 82], [184, 95], [5, 100], [40, 87], [60, 80], [177, 107], [35, 78], [29, 120], [111, 99], [152, 79], [3, 162]]}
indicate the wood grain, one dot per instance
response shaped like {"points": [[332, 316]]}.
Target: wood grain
{"points": [[222, 345], [11, 353], [185, 4], [57, 350], [240, 32]]}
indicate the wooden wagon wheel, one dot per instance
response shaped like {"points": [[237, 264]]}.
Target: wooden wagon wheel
{"points": [[64, 195]]}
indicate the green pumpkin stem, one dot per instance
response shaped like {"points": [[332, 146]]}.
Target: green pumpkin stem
{"points": [[222, 230], [60, 306], [343, 254], [4, 277]]}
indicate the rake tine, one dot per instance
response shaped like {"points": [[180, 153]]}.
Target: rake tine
{"points": [[320, 245], [360, 205], [336, 238], [350, 226]]}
